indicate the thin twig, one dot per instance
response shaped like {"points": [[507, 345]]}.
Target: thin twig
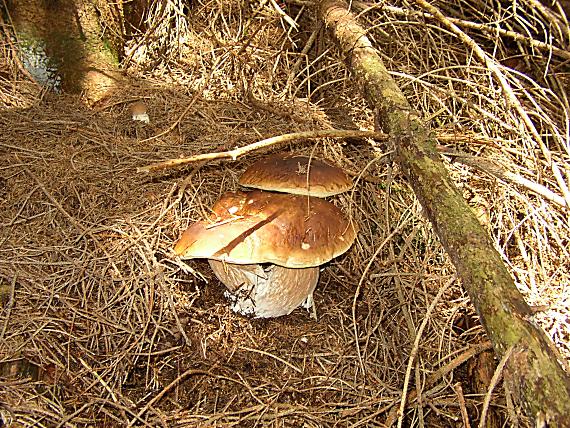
{"points": [[507, 90], [441, 372], [303, 55], [492, 168], [269, 354], [272, 141], [99, 378], [166, 389], [494, 381], [486, 28], [8, 306], [461, 399], [415, 348]]}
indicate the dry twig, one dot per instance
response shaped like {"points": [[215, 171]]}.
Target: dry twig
{"points": [[268, 142]]}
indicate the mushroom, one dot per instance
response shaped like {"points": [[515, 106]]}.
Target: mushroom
{"points": [[296, 174], [266, 291], [139, 112], [294, 233]]}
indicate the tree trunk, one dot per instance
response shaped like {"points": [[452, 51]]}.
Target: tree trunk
{"points": [[533, 370], [67, 37]]}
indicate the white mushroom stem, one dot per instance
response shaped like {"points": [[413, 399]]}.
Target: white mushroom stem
{"points": [[266, 293]]}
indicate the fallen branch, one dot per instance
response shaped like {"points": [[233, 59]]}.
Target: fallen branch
{"points": [[534, 371], [273, 141], [477, 162], [288, 138]]}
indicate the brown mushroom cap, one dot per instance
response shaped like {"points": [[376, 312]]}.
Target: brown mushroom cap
{"points": [[299, 175], [139, 112], [271, 292], [263, 227]]}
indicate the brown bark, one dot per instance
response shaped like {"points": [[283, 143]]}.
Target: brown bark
{"points": [[534, 372], [70, 33]]}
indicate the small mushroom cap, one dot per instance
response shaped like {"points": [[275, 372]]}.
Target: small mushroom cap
{"points": [[299, 175], [139, 112], [263, 227], [271, 292]]}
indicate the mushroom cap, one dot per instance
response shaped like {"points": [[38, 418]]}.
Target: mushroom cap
{"points": [[296, 174], [139, 112], [263, 227], [266, 293]]}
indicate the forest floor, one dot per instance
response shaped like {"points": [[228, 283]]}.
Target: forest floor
{"points": [[101, 325]]}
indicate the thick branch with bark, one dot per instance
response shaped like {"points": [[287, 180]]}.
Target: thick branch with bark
{"points": [[533, 371]]}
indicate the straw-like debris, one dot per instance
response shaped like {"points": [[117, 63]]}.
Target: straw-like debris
{"points": [[101, 325]]}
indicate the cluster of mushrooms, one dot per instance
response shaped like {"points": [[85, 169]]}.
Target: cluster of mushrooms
{"points": [[266, 247]]}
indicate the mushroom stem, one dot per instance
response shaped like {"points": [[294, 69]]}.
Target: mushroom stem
{"points": [[266, 293]]}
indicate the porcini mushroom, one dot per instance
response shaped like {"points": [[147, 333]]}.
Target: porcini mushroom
{"points": [[296, 174], [263, 227], [139, 112], [290, 231]]}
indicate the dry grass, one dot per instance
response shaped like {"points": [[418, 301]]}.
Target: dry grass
{"points": [[100, 326]]}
